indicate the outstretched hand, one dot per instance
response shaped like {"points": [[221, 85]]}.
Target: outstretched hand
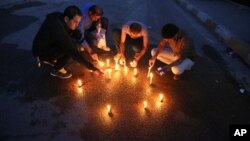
{"points": [[94, 56], [122, 61], [133, 63]]}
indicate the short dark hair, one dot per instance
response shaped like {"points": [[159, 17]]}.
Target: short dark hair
{"points": [[135, 27], [169, 31], [72, 11], [96, 10]]}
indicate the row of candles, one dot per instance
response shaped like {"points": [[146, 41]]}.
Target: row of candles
{"points": [[135, 73], [102, 64], [108, 71], [145, 105], [109, 108]]}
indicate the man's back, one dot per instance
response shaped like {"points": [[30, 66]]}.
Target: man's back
{"points": [[45, 37]]}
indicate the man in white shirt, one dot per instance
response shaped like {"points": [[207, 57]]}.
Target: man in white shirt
{"points": [[134, 33]]}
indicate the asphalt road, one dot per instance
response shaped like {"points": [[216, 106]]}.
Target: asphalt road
{"points": [[36, 106]]}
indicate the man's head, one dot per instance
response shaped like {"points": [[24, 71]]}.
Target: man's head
{"points": [[72, 17], [169, 31], [135, 29], [95, 13]]}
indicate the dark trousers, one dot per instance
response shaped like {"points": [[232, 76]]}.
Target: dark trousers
{"points": [[136, 44], [89, 37], [55, 53]]}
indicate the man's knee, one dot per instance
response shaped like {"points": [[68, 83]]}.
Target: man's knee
{"points": [[177, 70]]}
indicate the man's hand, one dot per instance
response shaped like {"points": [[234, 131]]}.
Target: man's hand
{"points": [[98, 73], [94, 56], [133, 63], [151, 62], [122, 60]]}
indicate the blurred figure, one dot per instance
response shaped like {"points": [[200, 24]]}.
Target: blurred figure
{"points": [[94, 27], [178, 56], [58, 40], [135, 34]]}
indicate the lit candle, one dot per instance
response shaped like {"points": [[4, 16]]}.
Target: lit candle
{"points": [[135, 71], [125, 68], [161, 97], [145, 104], [109, 73], [101, 64], [149, 70], [79, 82], [151, 78], [116, 65], [109, 109], [107, 62]]}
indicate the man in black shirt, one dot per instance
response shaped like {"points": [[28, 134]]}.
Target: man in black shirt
{"points": [[58, 40]]}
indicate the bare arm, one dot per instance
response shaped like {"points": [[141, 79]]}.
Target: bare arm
{"points": [[122, 43], [160, 47]]}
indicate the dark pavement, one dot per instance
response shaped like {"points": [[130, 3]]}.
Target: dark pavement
{"points": [[36, 106]]}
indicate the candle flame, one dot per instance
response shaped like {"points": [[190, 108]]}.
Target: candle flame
{"points": [[109, 108], [101, 64], [125, 69], [151, 78], [145, 104], [161, 97], [107, 62], [109, 73], [79, 82], [149, 70], [135, 71]]}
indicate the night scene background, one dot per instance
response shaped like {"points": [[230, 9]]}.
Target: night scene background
{"points": [[200, 106]]}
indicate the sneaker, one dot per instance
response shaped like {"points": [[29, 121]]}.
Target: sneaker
{"points": [[177, 77], [49, 63], [62, 73]]}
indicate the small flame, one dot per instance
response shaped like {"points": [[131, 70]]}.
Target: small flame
{"points": [[79, 82], [107, 62], [145, 104], [161, 97], [109, 108], [151, 78], [149, 70], [135, 71], [125, 69], [101, 64]]}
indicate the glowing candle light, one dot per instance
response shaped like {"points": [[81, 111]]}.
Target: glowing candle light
{"points": [[145, 105], [116, 65], [149, 70], [161, 97], [135, 72], [79, 82], [151, 78], [125, 68], [101, 64], [109, 109], [109, 73], [107, 62]]}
